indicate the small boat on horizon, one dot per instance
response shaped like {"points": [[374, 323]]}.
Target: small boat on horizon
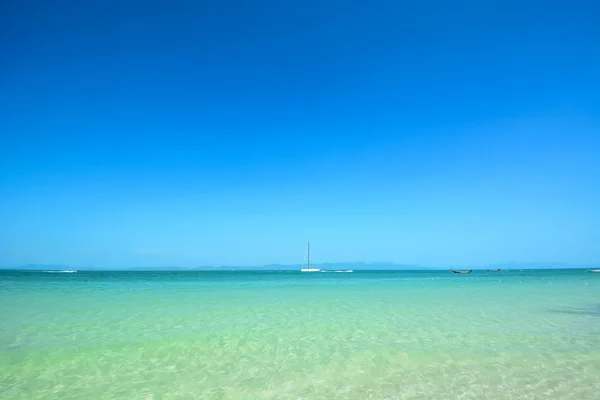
{"points": [[308, 267], [461, 271], [315, 269], [595, 270], [494, 270]]}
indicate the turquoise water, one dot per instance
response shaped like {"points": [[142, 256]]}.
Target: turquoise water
{"points": [[287, 335]]}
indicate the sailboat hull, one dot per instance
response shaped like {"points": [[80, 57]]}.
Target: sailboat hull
{"points": [[310, 270]]}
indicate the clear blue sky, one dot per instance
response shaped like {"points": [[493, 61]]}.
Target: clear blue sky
{"points": [[231, 133]]}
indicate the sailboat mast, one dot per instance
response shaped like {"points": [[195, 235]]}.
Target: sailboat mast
{"points": [[308, 255]]}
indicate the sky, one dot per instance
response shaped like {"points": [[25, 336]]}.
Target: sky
{"points": [[204, 133]]}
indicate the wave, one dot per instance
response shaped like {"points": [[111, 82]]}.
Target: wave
{"points": [[346, 270], [66, 271]]}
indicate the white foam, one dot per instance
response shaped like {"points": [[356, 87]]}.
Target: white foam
{"points": [[67, 271]]}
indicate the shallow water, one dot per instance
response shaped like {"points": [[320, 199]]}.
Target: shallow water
{"points": [[287, 335]]}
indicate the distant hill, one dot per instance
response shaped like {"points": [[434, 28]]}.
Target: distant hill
{"points": [[363, 266], [371, 266], [276, 267]]}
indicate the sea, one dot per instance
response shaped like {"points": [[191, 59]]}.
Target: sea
{"points": [[518, 334]]}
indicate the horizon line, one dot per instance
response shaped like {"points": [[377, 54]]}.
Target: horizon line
{"points": [[389, 266]]}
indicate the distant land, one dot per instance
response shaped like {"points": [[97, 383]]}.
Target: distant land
{"points": [[375, 266]]}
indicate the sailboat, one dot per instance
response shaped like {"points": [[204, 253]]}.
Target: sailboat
{"points": [[308, 267]]}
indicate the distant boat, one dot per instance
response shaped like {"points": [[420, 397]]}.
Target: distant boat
{"points": [[461, 271], [494, 270], [308, 267], [595, 270]]}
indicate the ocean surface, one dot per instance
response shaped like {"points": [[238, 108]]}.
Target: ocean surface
{"points": [[288, 335]]}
